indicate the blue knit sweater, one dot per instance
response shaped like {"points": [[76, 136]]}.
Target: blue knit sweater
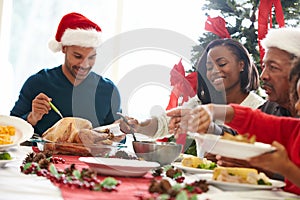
{"points": [[96, 99]]}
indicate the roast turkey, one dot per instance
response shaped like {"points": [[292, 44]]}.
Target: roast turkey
{"points": [[66, 129], [78, 130]]}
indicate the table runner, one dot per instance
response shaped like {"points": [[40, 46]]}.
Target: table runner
{"points": [[129, 188]]}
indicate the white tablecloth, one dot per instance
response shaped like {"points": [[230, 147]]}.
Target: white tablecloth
{"points": [[16, 185]]}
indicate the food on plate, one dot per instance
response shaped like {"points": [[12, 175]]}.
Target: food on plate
{"points": [[196, 162], [78, 130], [89, 137], [124, 155], [75, 136], [5, 134], [240, 175], [67, 149], [239, 138], [10, 130], [5, 156], [65, 129]]}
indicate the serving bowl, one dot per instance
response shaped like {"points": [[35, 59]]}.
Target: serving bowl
{"points": [[162, 152]]}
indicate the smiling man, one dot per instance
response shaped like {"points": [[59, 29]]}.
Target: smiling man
{"points": [[281, 45], [73, 87]]}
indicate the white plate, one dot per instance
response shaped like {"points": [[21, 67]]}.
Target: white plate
{"points": [[114, 128], [191, 170], [24, 130], [4, 162], [118, 166], [243, 186], [240, 150]]}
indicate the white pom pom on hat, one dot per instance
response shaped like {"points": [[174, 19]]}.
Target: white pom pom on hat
{"points": [[76, 29], [287, 39]]}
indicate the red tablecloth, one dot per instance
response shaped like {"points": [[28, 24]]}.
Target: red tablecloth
{"points": [[130, 187]]}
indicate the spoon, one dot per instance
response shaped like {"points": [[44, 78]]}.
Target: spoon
{"points": [[126, 121], [55, 109]]}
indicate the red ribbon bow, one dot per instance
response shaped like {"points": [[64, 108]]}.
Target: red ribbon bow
{"points": [[217, 25]]}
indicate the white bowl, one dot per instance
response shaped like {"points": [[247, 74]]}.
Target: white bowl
{"points": [[24, 130]]}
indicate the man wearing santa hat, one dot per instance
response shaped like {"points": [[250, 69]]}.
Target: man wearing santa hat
{"points": [[282, 47], [72, 87]]}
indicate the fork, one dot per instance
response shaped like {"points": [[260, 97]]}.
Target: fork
{"points": [[126, 121]]}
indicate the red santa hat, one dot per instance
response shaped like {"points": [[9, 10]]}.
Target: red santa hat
{"points": [[287, 39], [76, 29]]}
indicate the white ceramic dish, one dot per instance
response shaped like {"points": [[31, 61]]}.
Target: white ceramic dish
{"points": [[114, 128], [4, 162], [24, 130], [242, 186], [240, 150], [191, 170], [118, 166]]}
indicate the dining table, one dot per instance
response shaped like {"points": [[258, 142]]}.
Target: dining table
{"points": [[16, 185]]}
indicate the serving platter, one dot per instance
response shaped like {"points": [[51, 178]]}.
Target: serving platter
{"points": [[243, 186], [216, 145], [191, 170], [4, 162], [114, 128], [24, 130], [118, 166]]}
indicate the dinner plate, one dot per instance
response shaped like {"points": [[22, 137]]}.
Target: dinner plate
{"points": [[4, 162], [191, 170], [24, 130], [216, 145], [118, 166], [114, 128], [243, 186]]}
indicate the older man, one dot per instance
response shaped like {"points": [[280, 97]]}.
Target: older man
{"points": [[282, 46], [72, 87]]}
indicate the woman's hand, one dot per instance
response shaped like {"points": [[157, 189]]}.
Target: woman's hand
{"points": [[278, 162], [200, 119], [193, 120], [40, 107], [130, 126]]}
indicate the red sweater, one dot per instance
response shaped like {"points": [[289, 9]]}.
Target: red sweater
{"points": [[268, 128]]}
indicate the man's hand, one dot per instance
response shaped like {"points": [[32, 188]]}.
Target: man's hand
{"points": [[231, 162], [274, 161], [40, 107], [179, 120]]}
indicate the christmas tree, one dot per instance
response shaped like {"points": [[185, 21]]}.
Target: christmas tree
{"points": [[241, 18]]}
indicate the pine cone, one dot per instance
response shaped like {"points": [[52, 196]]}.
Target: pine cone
{"points": [[44, 163], [29, 158]]}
